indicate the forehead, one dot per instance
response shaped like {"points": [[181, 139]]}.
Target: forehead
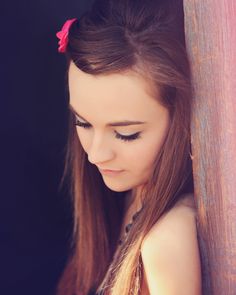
{"points": [[122, 93]]}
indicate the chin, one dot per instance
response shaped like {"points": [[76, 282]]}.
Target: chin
{"points": [[117, 188]]}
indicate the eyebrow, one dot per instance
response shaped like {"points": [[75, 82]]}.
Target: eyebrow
{"points": [[112, 124]]}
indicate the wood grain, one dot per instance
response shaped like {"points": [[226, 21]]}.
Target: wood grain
{"points": [[211, 43]]}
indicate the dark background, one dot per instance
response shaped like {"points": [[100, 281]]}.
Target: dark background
{"points": [[35, 216]]}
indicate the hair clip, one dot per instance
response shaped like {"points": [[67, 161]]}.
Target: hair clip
{"points": [[63, 35]]}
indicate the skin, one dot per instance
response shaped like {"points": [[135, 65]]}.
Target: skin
{"points": [[171, 255], [100, 100]]}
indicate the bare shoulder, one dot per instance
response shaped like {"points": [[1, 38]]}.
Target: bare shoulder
{"points": [[187, 201], [170, 252]]}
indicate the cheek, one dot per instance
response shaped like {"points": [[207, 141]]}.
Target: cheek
{"points": [[84, 138], [142, 156]]}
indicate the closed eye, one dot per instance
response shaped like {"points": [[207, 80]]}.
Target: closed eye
{"points": [[81, 124], [117, 135]]}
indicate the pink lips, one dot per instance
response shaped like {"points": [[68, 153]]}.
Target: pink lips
{"points": [[110, 172]]}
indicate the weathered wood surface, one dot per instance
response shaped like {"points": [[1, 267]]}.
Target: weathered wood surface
{"points": [[211, 42]]}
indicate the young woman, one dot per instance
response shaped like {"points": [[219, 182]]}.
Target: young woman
{"points": [[128, 155]]}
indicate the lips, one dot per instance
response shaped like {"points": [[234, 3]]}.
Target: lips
{"points": [[108, 169], [110, 172]]}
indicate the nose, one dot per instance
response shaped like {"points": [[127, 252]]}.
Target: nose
{"points": [[100, 150]]}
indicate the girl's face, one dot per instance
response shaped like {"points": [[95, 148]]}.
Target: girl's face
{"points": [[120, 125]]}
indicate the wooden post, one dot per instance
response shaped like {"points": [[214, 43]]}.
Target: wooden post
{"points": [[211, 43]]}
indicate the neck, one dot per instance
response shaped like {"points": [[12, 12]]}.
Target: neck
{"points": [[134, 200], [133, 204]]}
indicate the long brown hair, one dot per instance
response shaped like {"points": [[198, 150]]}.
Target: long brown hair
{"points": [[115, 36]]}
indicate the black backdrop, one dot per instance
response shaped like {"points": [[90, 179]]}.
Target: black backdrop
{"points": [[35, 218]]}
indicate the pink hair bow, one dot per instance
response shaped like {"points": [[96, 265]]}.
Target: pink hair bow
{"points": [[63, 35]]}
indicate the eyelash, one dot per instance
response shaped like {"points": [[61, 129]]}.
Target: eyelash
{"points": [[119, 136]]}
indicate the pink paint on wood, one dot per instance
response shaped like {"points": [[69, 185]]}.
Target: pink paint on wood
{"points": [[211, 41]]}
